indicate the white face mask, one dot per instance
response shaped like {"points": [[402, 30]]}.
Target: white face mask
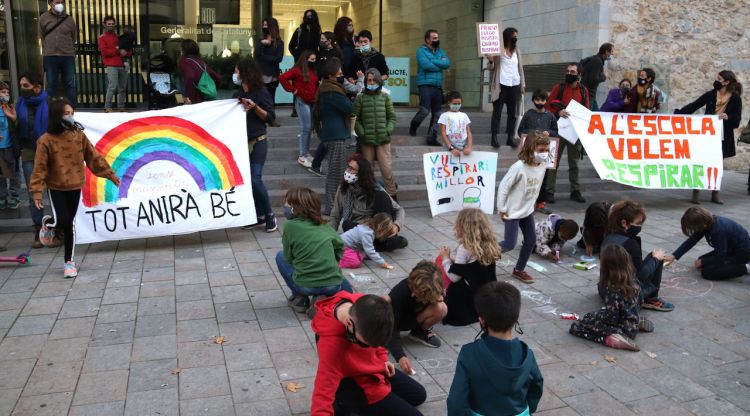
{"points": [[69, 120], [60, 8], [236, 79], [541, 157], [350, 178]]}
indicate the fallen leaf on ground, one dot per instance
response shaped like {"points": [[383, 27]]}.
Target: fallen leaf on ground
{"points": [[294, 387], [610, 359], [219, 340], [651, 354], [176, 371]]}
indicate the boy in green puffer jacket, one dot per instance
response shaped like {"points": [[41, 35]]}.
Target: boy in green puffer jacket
{"points": [[376, 120]]}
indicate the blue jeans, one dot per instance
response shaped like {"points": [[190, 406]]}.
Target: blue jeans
{"points": [[305, 122], [287, 270], [36, 213], [430, 101], [260, 193], [57, 66], [526, 225]]}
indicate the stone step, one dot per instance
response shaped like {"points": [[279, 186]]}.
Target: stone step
{"points": [[287, 139]]}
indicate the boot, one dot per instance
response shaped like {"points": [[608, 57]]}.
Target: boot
{"points": [[413, 129], [715, 198], [37, 243], [494, 142], [696, 197]]}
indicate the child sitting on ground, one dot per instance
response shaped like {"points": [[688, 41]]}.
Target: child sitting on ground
{"points": [[594, 227], [496, 374], [730, 241], [454, 126], [551, 235], [616, 323], [362, 238], [354, 374], [472, 267], [418, 304]]}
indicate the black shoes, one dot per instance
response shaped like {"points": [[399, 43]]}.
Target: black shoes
{"points": [[494, 142], [577, 197]]}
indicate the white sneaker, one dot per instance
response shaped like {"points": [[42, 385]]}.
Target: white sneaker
{"points": [[70, 270], [304, 161]]}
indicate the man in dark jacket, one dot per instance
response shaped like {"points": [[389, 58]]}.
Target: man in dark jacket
{"points": [[367, 57], [593, 71], [59, 33]]}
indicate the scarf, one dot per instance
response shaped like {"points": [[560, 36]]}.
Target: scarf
{"points": [[352, 195], [646, 99], [722, 102], [40, 117], [326, 85]]}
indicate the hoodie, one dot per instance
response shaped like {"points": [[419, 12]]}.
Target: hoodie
{"points": [[495, 377], [338, 359]]}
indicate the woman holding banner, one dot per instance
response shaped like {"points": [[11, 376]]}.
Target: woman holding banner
{"points": [[723, 100]]}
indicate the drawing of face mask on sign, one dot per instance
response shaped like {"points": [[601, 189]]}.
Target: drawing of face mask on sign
{"points": [[472, 197]]}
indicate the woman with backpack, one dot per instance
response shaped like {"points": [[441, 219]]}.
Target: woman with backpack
{"points": [[197, 76], [307, 35]]}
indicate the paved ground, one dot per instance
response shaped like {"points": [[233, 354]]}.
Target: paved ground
{"points": [[110, 341]]}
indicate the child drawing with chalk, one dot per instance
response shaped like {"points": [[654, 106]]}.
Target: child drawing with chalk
{"points": [[360, 241], [516, 197], [617, 323], [454, 126], [551, 235]]}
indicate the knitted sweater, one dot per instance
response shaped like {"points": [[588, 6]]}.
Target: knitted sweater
{"points": [[519, 189]]}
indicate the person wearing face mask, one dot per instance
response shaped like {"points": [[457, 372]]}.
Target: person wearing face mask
{"points": [[114, 65], [259, 110], [625, 221], [9, 151], [268, 54], [59, 33], [302, 81], [431, 62], [618, 98], [61, 155], [367, 56], [376, 121], [538, 118], [307, 35], [645, 96], [507, 87], [725, 101], [593, 71], [344, 36], [327, 49], [454, 126]]}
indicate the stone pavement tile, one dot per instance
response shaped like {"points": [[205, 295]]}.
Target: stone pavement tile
{"points": [[155, 274], [268, 299], [102, 387], [156, 306], [187, 293], [84, 290], [125, 294], [15, 373], [277, 407], [212, 406], [154, 348], [108, 357], [226, 294], [154, 289], [228, 278], [251, 386], [120, 312], [219, 252], [184, 267], [713, 406], [596, 404], [43, 306], [242, 332], [8, 399], [435, 408], [715, 332], [295, 364], [688, 364], [53, 378], [255, 269], [199, 354], [64, 350], [731, 384], [220, 265], [709, 350], [123, 279], [44, 405], [235, 312], [10, 301], [79, 308], [154, 402], [73, 328], [564, 381], [286, 339], [152, 375], [563, 411], [99, 409], [200, 382], [153, 325], [434, 360], [191, 276], [112, 333], [549, 401], [301, 401], [18, 348], [197, 330], [277, 318], [620, 384], [659, 405], [742, 348], [32, 325], [20, 285], [260, 283], [7, 318], [130, 266], [246, 356], [197, 309]]}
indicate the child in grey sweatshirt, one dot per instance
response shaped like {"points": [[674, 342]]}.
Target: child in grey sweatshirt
{"points": [[362, 237]]}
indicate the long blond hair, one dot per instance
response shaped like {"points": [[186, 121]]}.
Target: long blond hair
{"points": [[477, 236]]}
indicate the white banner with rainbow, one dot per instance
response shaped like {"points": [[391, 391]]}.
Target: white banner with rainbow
{"points": [[182, 170]]}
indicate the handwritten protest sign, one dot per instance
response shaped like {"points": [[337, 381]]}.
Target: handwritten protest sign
{"points": [[457, 182], [182, 170], [655, 151], [488, 39]]}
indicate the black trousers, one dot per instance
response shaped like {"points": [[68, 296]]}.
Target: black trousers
{"points": [[64, 208], [508, 97], [381, 203], [730, 268], [406, 393], [271, 87]]}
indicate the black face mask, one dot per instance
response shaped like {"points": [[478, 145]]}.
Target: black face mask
{"points": [[513, 42], [435, 44], [340, 80], [624, 89], [351, 337], [538, 106], [308, 20], [311, 65], [570, 78], [634, 230], [642, 81], [717, 85], [26, 92], [266, 31]]}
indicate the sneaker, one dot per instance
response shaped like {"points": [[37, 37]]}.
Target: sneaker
{"points": [[315, 171], [541, 207], [46, 233], [71, 270], [577, 197], [523, 276], [299, 304], [305, 162], [425, 337], [620, 342], [13, 203], [261, 221], [644, 325], [271, 224], [657, 304]]}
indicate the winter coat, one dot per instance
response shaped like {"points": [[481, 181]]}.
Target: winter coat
{"points": [[431, 65], [269, 57], [734, 113], [376, 118]]}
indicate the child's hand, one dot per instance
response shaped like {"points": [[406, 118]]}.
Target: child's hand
{"points": [[456, 152], [658, 254], [553, 257], [698, 264], [386, 266], [589, 250], [503, 216], [116, 181], [405, 365], [467, 150], [668, 259], [38, 204], [390, 369], [445, 252]]}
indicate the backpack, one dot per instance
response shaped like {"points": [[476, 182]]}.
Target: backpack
{"points": [[206, 85]]}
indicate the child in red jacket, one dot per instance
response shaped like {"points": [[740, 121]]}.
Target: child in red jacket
{"points": [[354, 374]]}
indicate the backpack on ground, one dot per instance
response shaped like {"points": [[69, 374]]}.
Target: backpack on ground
{"points": [[206, 85]]}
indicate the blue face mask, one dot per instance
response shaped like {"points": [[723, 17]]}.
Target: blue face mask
{"points": [[454, 107], [364, 48], [373, 87], [288, 212]]}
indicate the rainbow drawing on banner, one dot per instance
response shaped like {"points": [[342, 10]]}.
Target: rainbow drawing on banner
{"points": [[134, 144]]}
